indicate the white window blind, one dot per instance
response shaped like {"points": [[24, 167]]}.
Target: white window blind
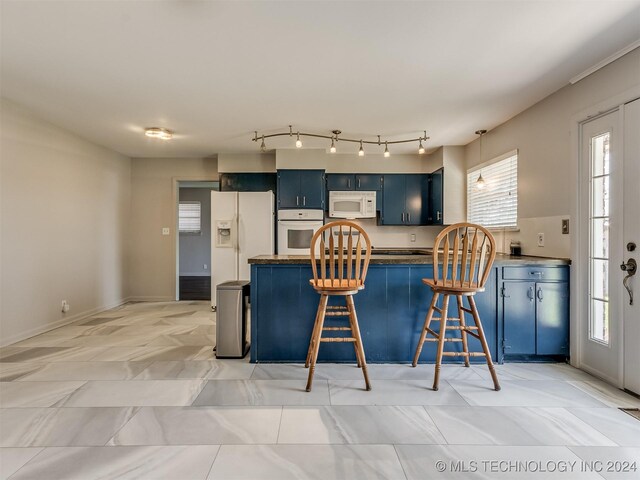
{"points": [[495, 205], [189, 217]]}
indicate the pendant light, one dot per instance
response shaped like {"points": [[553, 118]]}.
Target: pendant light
{"points": [[298, 141], [480, 183], [386, 151], [361, 151], [332, 149], [263, 147]]}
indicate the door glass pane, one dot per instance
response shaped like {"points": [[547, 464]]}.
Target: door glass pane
{"points": [[599, 240], [600, 146], [600, 279], [600, 321], [600, 229], [601, 196]]}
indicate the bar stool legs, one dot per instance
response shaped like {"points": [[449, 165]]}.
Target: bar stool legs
{"points": [[483, 341], [314, 344], [355, 329], [440, 337], [441, 340], [318, 328]]}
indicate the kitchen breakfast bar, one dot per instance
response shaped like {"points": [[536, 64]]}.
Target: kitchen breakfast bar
{"points": [[524, 309]]}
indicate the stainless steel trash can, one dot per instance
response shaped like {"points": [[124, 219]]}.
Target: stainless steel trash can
{"points": [[232, 299]]}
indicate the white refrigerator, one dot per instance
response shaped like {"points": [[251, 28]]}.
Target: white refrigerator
{"points": [[242, 225]]}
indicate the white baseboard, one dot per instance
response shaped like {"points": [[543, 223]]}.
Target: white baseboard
{"points": [[59, 323]]}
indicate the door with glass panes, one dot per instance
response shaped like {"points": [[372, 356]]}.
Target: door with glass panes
{"points": [[610, 219]]}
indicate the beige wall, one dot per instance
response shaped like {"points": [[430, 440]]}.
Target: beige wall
{"points": [[542, 135], [152, 256], [65, 208]]}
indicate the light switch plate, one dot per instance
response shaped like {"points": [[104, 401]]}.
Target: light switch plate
{"points": [[165, 231], [565, 226]]}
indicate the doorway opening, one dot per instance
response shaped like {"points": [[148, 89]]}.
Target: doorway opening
{"points": [[194, 239]]}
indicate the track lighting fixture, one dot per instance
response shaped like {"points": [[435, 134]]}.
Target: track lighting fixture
{"points": [[334, 139], [421, 149], [263, 147]]}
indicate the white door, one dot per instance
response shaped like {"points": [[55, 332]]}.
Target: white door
{"points": [[609, 206], [631, 236]]}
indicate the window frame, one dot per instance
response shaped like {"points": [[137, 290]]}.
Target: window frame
{"points": [[484, 165]]}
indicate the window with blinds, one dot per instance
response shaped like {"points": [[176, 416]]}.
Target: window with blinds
{"points": [[189, 217], [495, 205]]}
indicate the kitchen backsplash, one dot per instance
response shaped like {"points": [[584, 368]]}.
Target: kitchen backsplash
{"points": [[556, 244], [387, 236]]}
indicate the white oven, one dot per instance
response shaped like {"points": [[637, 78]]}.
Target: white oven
{"points": [[352, 204], [295, 229]]}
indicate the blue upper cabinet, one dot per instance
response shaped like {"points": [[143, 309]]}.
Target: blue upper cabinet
{"points": [[370, 182], [393, 200], [405, 200], [436, 201], [341, 181], [247, 182], [301, 189]]}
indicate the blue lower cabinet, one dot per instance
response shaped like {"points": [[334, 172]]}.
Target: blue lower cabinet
{"points": [[552, 318], [519, 318], [391, 311], [535, 314]]}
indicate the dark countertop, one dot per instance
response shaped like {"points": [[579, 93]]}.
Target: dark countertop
{"points": [[421, 259]]}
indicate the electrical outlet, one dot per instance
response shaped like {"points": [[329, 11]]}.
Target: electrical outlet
{"points": [[65, 306], [541, 239], [165, 231], [204, 266], [413, 237]]}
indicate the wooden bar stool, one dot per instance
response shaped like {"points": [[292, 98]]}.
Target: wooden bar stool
{"points": [[471, 250], [343, 268]]}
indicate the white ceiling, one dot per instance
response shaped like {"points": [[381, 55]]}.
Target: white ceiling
{"points": [[216, 71]]}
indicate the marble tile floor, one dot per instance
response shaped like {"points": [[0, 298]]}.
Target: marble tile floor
{"points": [[136, 393]]}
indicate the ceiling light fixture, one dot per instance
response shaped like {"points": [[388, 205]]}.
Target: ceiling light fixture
{"points": [[421, 149], [263, 147], [480, 183], [334, 139], [157, 132]]}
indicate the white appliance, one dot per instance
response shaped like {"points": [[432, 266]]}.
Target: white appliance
{"points": [[243, 227], [352, 204], [295, 229]]}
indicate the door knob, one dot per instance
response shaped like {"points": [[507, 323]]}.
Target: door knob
{"points": [[631, 267]]}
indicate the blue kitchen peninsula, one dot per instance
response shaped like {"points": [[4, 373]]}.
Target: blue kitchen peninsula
{"points": [[524, 310]]}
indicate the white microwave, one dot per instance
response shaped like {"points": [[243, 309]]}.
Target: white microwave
{"points": [[352, 204]]}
